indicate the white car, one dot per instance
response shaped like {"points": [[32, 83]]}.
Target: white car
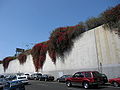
{"points": [[22, 78]]}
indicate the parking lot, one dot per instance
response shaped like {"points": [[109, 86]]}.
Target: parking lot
{"points": [[42, 85]]}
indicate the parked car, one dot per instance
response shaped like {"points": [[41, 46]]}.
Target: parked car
{"points": [[85, 79], [115, 82], [30, 77], [10, 77], [2, 76], [2, 83], [14, 85], [21, 78], [105, 79], [63, 78], [36, 76], [47, 77], [1, 86], [11, 85], [27, 75]]}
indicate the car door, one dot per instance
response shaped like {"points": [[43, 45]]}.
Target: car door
{"points": [[62, 78], [77, 78]]}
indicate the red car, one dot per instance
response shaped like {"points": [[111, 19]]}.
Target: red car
{"points": [[85, 79], [115, 81]]}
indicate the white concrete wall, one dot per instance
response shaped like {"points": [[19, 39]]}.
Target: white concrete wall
{"points": [[83, 55], [1, 69], [108, 50], [92, 48], [108, 46], [15, 67]]}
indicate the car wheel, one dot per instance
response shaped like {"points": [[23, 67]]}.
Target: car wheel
{"points": [[45, 79], [115, 84], [68, 83], [58, 80], [39, 79], [35, 79], [86, 85]]}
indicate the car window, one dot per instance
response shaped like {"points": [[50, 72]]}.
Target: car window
{"points": [[67, 76], [63, 76], [21, 77], [39, 74], [27, 74], [44, 75], [12, 77], [88, 74], [78, 74], [96, 74]]}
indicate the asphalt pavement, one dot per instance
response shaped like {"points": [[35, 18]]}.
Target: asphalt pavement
{"points": [[41, 85]]}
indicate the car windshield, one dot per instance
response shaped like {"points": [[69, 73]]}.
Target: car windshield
{"points": [[26, 74]]}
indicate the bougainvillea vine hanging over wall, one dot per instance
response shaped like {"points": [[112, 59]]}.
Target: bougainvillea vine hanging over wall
{"points": [[52, 52], [1, 62], [6, 62], [61, 40], [39, 54], [23, 56]]}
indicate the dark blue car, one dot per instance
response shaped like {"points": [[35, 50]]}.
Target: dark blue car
{"points": [[14, 85], [63, 78]]}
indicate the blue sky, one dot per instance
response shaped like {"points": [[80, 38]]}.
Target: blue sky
{"points": [[26, 22]]}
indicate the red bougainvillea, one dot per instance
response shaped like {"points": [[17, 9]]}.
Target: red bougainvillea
{"points": [[6, 62], [22, 58], [39, 54], [61, 40], [52, 52]]}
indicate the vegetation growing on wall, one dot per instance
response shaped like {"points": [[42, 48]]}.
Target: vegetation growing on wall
{"points": [[39, 54], [94, 22], [23, 56], [1, 62], [61, 40], [112, 17], [6, 62], [52, 52]]}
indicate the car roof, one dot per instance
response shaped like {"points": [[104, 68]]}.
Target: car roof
{"points": [[67, 75], [86, 71]]}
